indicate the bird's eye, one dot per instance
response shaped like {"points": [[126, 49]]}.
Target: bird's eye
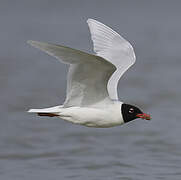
{"points": [[131, 110]]}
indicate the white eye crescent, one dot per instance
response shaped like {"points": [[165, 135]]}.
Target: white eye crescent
{"points": [[131, 110]]}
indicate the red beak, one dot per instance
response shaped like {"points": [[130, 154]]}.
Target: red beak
{"points": [[144, 116]]}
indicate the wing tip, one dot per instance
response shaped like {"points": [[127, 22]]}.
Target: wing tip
{"points": [[90, 20], [30, 42], [34, 43], [40, 45]]}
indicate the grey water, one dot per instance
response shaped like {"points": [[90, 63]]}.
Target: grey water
{"points": [[49, 148]]}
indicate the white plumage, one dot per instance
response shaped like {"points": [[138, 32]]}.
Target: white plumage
{"points": [[92, 79], [109, 45]]}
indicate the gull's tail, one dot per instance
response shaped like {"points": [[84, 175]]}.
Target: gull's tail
{"points": [[52, 111]]}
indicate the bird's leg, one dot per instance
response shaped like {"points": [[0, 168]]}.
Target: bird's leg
{"points": [[47, 114]]}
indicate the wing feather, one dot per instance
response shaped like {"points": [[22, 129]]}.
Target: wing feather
{"points": [[109, 45], [88, 74]]}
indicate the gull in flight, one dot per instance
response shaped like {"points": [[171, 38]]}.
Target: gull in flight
{"points": [[91, 97]]}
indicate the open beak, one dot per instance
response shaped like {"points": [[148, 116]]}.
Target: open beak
{"points": [[144, 116]]}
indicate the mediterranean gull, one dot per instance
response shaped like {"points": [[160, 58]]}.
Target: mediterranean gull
{"points": [[92, 98]]}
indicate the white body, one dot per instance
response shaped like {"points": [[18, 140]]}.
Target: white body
{"points": [[92, 98], [89, 116]]}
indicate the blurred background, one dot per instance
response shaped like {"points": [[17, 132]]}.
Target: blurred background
{"points": [[49, 148]]}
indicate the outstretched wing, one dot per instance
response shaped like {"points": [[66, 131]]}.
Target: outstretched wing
{"points": [[109, 45], [88, 74]]}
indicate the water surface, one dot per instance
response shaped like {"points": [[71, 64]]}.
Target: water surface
{"points": [[49, 148]]}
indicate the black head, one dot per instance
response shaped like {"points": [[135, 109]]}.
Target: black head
{"points": [[130, 113]]}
